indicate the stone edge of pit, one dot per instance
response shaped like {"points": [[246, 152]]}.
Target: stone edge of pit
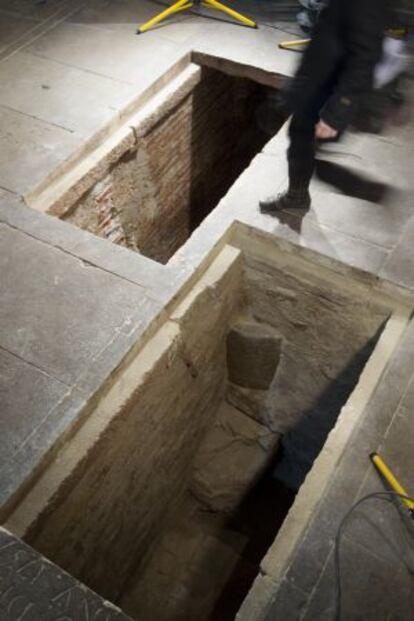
{"points": [[38, 493], [58, 192]]}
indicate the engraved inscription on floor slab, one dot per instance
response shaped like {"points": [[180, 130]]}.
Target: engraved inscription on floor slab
{"points": [[33, 589]]}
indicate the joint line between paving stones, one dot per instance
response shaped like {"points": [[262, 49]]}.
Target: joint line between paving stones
{"points": [[15, 47], [11, 13], [85, 262], [396, 413], [39, 20], [313, 591], [95, 357], [10, 191], [37, 118], [36, 429], [389, 258], [43, 28], [370, 551], [35, 366], [83, 69]]}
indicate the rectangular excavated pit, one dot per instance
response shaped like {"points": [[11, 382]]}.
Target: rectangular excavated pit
{"points": [[191, 141], [165, 500]]}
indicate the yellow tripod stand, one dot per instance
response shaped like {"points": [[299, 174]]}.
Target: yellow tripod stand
{"points": [[182, 5]]}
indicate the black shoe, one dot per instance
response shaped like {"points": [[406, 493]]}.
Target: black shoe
{"points": [[287, 200]]}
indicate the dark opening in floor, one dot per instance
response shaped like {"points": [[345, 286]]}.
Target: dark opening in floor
{"points": [[259, 518], [177, 502], [186, 160]]}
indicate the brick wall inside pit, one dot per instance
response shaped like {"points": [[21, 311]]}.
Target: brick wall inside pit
{"points": [[182, 168], [103, 522]]}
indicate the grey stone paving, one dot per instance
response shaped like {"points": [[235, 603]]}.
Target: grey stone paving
{"points": [[33, 588], [73, 305], [400, 265], [376, 545], [90, 60], [30, 148], [66, 323], [70, 98], [56, 293]]}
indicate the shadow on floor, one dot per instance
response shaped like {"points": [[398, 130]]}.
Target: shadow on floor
{"points": [[350, 183], [303, 443], [292, 220]]}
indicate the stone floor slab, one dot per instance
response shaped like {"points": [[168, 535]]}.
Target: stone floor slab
{"points": [[152, 277], [32, 456], [53, 302], [252, 47], [129, 59], [289, 603], [123, 15], [183, 31], [13, 27], [27, 395], [328, 242], [35, 10], [379, 157], [370, 222], [30, 149], [33, 588], [400, 265], [6, 196], [383, 528], [67, 97], [268, 175], [36, 409], [371, 588]]}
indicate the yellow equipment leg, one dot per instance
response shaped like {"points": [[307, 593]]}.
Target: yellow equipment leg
{"points": [[289, 45], [213, 4], [392, 481], [182, 5]]}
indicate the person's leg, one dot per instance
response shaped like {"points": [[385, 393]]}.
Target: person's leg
{"points": [[301, 163], [301, 159], [301, 154]]}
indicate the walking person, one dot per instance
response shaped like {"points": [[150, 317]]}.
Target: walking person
{"points": [[336, 69]]}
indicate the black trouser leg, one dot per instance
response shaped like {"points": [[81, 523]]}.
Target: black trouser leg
{"points": [[301, 162], [301, 159], [301, 152]]}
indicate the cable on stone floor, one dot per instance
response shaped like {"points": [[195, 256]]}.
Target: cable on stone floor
{"points": [[388, 497]]}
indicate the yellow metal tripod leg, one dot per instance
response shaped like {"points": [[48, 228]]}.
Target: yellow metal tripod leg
{"points": [[289, 45], [392, 481], [181, 5], [213, 4]]}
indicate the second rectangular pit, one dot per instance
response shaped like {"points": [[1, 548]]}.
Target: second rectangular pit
{"points": [[153, 502]]}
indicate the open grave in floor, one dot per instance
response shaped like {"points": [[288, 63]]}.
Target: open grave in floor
{"points": [[150, 183], [190, 464]]}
